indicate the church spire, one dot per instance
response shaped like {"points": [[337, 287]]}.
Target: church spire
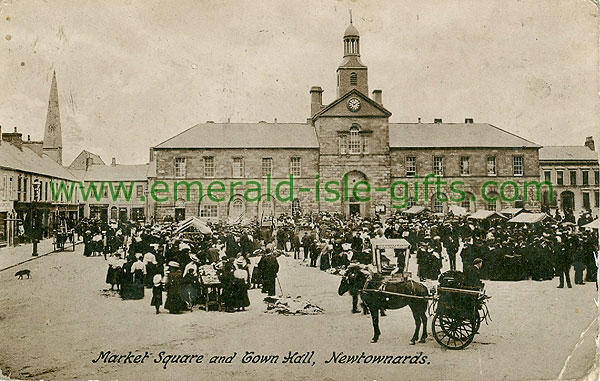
{"points": [[52, 133]]}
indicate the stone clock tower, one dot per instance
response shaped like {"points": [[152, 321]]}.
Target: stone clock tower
{"points": [[353, 134]]}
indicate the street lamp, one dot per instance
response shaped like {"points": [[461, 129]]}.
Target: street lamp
{"points": [[34, 227]]}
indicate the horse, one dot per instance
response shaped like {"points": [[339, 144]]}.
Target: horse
{"points": [[389, 300], [353, 281]]}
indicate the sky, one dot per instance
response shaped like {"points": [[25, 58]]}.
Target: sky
{"points": [[133, 73]]}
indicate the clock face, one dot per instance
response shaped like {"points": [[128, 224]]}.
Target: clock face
{"points": [[354, 104]]}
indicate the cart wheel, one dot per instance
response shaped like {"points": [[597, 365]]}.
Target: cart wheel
{"points": [[454, 333]]}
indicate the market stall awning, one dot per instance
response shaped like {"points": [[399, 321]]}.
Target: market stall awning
{"points": [[528, 218], [592, 225], [511, 212], [485, 214], [193, 222], [458, 210], [415, 209]]}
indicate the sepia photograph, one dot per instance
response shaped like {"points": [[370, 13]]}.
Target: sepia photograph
{"points": [[284, 190]]}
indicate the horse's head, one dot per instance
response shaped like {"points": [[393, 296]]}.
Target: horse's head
{"points": [[344, 286]]}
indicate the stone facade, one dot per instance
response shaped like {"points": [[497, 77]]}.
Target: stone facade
{"points": [[575, 175], [475, 181], [236, 187], [352, 148]]}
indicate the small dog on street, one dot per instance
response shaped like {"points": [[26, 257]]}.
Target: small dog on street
{"points": [[20, 274]]}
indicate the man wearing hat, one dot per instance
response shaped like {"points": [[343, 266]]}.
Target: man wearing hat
{"points": [[472, 274]]}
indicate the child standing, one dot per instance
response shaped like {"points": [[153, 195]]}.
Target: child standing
{"points": [[157, 290]]}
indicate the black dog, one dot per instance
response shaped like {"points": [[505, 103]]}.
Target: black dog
{"points": [[20, 274]]}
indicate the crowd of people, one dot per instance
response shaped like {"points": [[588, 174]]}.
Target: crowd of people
{"points": [[189, 267], [239, 258]]}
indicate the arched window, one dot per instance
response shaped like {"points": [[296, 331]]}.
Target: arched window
{"points": [[295, 207], [238, 206], [354, 144], [438, 205], [353, 79], [492, 205], [466, 202]]}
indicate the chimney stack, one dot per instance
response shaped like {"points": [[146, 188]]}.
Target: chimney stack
{"points": [[419, 120], [316, 99], [114, 162], [14, 138], [437, 121], [88, 162], [377, 96], [589, 143], [469, 121]]}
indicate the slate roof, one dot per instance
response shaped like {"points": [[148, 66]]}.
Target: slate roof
{"points": [[26, 160], [568, 153], [81, 158], [119, 172], [454, 135], [245, 135]]}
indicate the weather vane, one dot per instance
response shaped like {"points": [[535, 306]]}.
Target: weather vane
{"points": [[350, 16]]}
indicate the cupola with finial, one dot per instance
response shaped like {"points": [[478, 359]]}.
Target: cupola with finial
{"points": [[352, 73]]}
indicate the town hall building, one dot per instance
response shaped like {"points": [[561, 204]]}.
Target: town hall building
{"points": [[350, 141]]}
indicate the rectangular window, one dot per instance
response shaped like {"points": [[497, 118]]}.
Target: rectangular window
{"points": [[139, 191], [12, 189], [586, 200], [596, 199], [586, 178], [296, 166], [365, 148], [343, 144], [355, 144], [208, 211], [267, 166], [491, 166], [518, 165], [209, 166], [4, 187], [411, 166], [464, 166], [19, 192], [238, 167], [438, 165], [596, 177], [180, 167], [573, 177], [548, 176], [559, 177]]}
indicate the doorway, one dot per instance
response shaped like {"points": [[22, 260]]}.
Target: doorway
{"points": [[568, 201]]}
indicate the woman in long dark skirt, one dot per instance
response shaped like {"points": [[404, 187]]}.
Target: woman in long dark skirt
{"points": [[190, 288], [226, 278], [110, 274], [174, 302], [126, 280]]}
